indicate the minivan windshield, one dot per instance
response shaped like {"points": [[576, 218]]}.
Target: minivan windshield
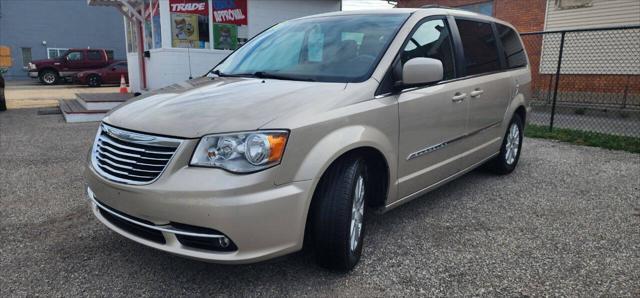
{"points": [[327, 49]]}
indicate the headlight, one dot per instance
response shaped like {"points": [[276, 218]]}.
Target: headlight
{"points": [[241, 152], [31, 66]]}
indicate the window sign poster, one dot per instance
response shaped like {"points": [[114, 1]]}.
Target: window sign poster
{"points": [[230, 12], [225, 36], [155, 19], [230, 24], [189, 23]]}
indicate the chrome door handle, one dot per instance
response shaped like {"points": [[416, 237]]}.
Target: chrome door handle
{"points": [[458, 97], [476, 93]]}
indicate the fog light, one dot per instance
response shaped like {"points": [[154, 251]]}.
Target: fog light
{"points": [[224, 242]]}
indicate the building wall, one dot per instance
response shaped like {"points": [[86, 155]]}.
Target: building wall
{"points": [[525, 15], [265, 13], [600, 13], [62, 24]]}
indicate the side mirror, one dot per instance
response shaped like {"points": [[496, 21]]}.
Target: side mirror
{"points": [[420, 71]]}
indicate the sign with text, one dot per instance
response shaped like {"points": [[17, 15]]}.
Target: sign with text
{"points": [[189, 23], [230, 12], [189, 7]]}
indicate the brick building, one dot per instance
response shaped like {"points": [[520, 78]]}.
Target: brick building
{"points": [[525, 15], [594, 63]]}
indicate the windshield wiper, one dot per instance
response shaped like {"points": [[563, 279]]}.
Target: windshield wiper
{"points": [[270, 75], [262, 75]]}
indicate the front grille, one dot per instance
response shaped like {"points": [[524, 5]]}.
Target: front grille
{"points": [[138, 230], [129, 157]]}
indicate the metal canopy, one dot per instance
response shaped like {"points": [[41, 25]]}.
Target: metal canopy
{"points": [[126, 7]]}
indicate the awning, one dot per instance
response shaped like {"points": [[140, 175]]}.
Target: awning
{"points": [[126, 7]]}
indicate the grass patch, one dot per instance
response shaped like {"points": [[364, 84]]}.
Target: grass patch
{"points": [[579, 137]]}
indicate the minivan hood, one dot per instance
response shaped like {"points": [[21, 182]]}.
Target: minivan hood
{"points": [[204, 105]]}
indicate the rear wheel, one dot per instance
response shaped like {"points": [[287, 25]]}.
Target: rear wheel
{"points": [[49, 77], [94, 81], [507, 159], [338, 214]]}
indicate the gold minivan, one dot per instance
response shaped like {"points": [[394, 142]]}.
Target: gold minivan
{"points": [[307, 129]]}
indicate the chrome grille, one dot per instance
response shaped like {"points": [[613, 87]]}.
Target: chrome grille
{"points": [[130, 157]]}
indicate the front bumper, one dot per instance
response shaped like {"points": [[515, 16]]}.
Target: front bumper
{"points": [[33, 74], [262, 220]]}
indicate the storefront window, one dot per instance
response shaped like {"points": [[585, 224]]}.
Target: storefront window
{"points": [[230, 29], [189, 23], [148, 34], [132, 41], [155, 21], [55, 52]]}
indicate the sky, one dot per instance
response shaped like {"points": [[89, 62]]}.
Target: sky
{"points": [[364, 4]]}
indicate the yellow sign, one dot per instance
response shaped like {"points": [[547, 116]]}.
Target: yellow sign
{"points": [[5, 57], [184, 28]]}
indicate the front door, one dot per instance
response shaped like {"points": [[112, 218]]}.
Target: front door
{"points": [[115, 71], [431, 117], [73, 62]]}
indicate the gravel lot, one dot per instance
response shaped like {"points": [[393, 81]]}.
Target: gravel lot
{"points": [[566, 223]]}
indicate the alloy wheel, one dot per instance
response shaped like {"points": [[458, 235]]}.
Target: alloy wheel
{"points": [[49, 78], [93, 81], [513, 144], [357, 214]]}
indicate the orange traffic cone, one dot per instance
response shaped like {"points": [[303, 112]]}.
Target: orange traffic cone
{"points": [[123, 85]]}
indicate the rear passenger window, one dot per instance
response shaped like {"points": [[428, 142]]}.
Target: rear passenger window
{"points": [[513, 51], [94, 55], [479, 45], [432, 40]]}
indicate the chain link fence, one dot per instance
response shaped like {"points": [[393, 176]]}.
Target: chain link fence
{"points": [[587, 79]]}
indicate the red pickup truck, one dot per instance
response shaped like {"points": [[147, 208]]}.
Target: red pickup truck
{"points": [[51, 71]]}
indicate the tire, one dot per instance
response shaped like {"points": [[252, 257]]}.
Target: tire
{"points": [[507, 160], [340, 197], [49, 77], [94, 81]]}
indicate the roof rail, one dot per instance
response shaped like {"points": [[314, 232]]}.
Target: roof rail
{"points": [[434, 6]]}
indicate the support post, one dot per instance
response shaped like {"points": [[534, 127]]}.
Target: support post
{"points": [[555, 91]]}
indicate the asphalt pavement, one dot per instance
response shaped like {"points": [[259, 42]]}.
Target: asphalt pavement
{"points": [[565, 223]]}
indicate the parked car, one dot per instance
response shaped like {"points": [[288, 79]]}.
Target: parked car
{"points": [[51, 71], [308, 128], [107, 75]]}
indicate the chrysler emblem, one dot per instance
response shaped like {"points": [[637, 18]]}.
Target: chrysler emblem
{"points": [[128, 136]]}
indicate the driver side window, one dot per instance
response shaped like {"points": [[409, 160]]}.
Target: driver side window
{"points": [[74, 56], [432, 40]]}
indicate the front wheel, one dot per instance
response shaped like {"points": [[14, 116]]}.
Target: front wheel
{"points": [[49, 77], [338, 214], [94, 81], [507, 159]]}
